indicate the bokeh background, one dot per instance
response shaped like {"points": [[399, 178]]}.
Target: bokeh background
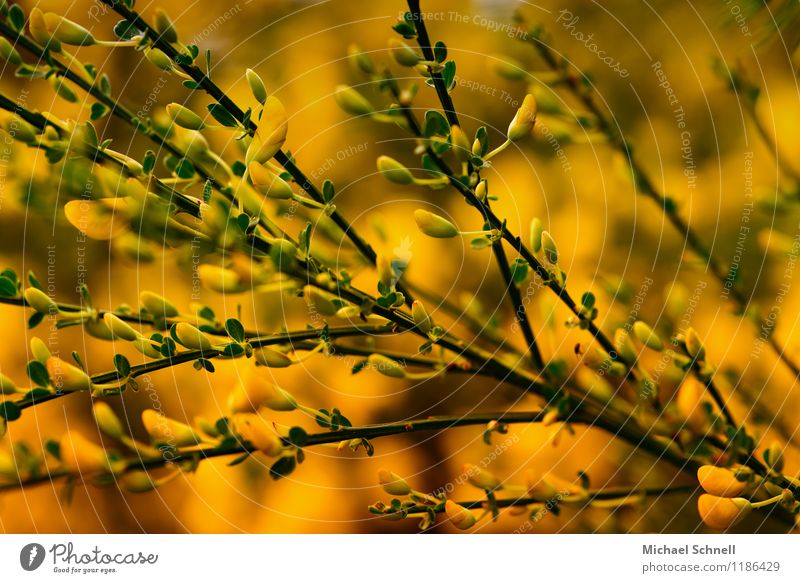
{"points": [[609, 239]]}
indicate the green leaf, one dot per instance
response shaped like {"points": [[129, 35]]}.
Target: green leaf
{"points": [[206, 364], [207, 314], [189, 84], [184, 168], [232, 350], [37, 372], [238, 168], [234, 329], [98, 110], [222, 115], [125, 30], [16, 17], [10, 411], [435, 124], [440, 52], [519, 271], [328, 191], [35, 319], [34, 281], [8, 288], [53, 448], [149, 161], [207, 189], [449, 75], [122, 365], [298, 436], [36, 394], [283, 467]]}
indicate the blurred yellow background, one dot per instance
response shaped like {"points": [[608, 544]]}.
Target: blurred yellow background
{"points": [[604, 231]]}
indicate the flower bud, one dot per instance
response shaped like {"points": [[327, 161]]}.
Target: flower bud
{"points": [[720, 481], [536, 235], [257, 87], [192, 337], [524, 119], [66, 31], [266, 356], [268, 183], [434, 225], [482, 190], [185, 117], [258, 432], [386, 366], [351, 101], [385, 271], [21, 130], [359, 60], [393, 484], [81, 456], [219, 279], [480, 478], [690, 405], [647, 336], [66, 377], [62, 89], [462, 518], [508, 68], [7, 386], [8, 52], [39, 350], [539, 487], [159, 58], [624, 345], [144, 346], [394, 171], [460, 143], [403, 54], [320, 301], [38, 29], [694, 346], [40, 301], [271, 132], [157, 305], [550, 249], [137, 482], [420, 316], [107, 420], [119, 328], [722, 513], [165, 431], [255, 391], [774, 457], [165, 27]]}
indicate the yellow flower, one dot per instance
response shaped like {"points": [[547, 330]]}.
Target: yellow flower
{"points": [[524, 119], [66, 31], [320, 301], [720, 481], [480, 478], [119, 327], [192, 337], [393, 484], [421, 317], [7, 386], [434, 225], [157, 305], [271, 132], [351, 101], [690, 404], [40, 301], [107, 420], [254, 392], [219, 279], [257, 87], [259, 432], [266, 356], [166, 431], [185, 117], [268, 183], [66, 377], [462, 518], [386, 366], [81, 456], [722, 513], [394, 171]]}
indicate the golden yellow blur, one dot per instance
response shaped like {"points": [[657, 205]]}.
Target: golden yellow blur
{"points": [[653, 71]]}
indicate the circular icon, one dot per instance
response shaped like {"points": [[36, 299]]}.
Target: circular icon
{"points": [[31, 556]]}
